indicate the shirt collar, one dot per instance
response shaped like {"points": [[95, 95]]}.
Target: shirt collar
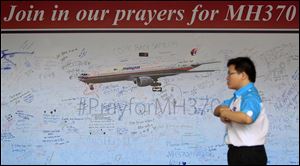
{"points": [[242, 90]]}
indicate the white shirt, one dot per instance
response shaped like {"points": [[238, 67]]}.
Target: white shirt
{"points": [[247, 100]]}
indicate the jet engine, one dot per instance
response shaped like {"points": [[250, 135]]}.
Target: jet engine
{"points": [[144, 81]]}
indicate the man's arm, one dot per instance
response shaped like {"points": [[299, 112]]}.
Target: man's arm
{"points": [[227, 115], [238, 117]]}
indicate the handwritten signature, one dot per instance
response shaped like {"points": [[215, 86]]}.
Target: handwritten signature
{"points": [[5, 54]]}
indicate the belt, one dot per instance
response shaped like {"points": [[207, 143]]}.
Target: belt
{"points": [[255, 146]]}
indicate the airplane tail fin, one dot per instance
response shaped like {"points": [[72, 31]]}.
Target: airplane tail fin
{"points": [[196, 58], [194, 51]]}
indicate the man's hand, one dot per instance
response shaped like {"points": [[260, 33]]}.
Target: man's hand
{"points": [[220, 109], [224, 120]]}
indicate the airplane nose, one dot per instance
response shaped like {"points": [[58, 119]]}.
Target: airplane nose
{"points": [[82, 76]]}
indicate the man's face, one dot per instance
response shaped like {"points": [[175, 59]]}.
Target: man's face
{"points": [[234, 78]]}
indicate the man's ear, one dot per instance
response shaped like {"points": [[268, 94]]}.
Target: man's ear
{"points": [[244, 76]]}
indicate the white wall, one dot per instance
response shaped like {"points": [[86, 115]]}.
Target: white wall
{"points": [[49, 117]]}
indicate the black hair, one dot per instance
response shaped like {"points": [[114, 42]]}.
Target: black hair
{"points": [[244, 64]]}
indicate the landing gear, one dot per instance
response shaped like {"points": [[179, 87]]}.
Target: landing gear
{"points": [[91, 87], [156, 86]]}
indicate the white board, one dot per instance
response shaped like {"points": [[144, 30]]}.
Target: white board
{"points": [[49, 117]]}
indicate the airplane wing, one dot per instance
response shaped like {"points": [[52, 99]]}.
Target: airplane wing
{"points": [[197, 71], [156, 75]]}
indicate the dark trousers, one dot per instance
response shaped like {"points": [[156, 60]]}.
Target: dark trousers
{"points": [[247, 155]]}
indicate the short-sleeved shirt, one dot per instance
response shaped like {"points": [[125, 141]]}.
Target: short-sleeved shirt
{"points": [[248, 101]]}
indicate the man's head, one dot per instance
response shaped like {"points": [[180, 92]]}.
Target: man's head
{"points": [[241, 71]]}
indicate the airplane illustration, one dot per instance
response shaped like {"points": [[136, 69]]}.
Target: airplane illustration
{"points": [[143, 76]]}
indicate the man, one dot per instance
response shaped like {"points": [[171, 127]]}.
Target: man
{"points": [[244, 115]]}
